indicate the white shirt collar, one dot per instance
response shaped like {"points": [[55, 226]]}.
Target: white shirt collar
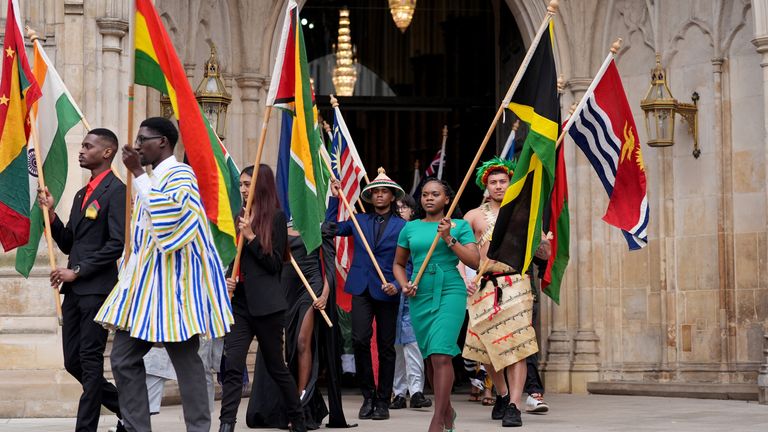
{"points": [[163, 167]]}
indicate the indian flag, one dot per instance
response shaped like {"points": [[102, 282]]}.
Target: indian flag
{"points": [[55, 113]]}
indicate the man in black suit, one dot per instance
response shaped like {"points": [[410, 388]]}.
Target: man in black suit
{"points": [[93, 238]]}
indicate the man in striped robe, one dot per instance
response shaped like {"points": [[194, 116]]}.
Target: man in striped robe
{"points": [[172, 288]]}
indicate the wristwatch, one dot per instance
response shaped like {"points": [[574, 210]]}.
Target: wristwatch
{"points": [[76, 270], [452, 242]]}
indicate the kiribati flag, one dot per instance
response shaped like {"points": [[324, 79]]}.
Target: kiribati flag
{"points": [[605, 131]]}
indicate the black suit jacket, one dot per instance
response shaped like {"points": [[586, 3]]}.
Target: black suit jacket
{"points": [[261, 292], [95, 244]]}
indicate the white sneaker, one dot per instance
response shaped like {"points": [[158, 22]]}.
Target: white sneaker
{"points": [[535, 404]]}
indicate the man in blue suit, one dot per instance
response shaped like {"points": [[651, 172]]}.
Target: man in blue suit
{"points": [[370, 298]]}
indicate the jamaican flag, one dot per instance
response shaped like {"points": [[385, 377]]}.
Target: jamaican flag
{"points": [[518, 227]]}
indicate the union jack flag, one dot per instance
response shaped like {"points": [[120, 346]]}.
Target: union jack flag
{"points": [[349, 169], [434, 167]]}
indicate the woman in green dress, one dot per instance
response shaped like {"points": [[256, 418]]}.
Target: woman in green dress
{"points": [[439, 301]]}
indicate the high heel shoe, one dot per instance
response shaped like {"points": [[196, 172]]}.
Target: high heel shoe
{"points": [[453, 429]]}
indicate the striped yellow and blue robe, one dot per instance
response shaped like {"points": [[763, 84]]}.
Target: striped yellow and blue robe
{"points": [[173, 285]]}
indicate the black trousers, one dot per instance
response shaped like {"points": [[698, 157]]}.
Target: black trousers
{"points": [[83, 343], [268, 330], [364, 310], [128, 366]]}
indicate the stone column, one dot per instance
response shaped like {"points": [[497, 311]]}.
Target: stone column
{"points": [[112, 31], [762, 378], [760, 10], [586, 350], [251, 85]]}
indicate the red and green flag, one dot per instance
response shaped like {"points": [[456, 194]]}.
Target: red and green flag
{"points": [[559, 226], [18, 92], [158, 66], [301, 137]]}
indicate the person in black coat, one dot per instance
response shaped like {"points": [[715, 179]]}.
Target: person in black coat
{"points": [[93, 238], [258, 304]]}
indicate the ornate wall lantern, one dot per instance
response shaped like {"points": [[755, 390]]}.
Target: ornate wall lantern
{"points": [[402, 12], [212, 95], [660, 108], [344, 74]]}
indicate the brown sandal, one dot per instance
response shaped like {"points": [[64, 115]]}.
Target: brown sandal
{"points": [[488, 401]]}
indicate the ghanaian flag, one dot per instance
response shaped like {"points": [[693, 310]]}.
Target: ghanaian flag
{"points": [[18, 92], [158, 66], [518, 227]]}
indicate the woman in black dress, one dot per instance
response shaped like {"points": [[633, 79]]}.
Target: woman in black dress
{"points": [[301, 343], [259, 304]]}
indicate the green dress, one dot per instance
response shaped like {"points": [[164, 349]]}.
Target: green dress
{"points": [[437, 309]]}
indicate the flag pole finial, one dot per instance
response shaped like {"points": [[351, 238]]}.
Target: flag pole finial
{"points": [[445, 130], [553, 6], [572, 109], [326, 127], [334, 102], [616, 45], [381, 170], [31, 34], [561, 84]]}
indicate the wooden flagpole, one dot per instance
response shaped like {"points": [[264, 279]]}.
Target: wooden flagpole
{"points": [[308, 287], [33, 37], [46, 217], [327, 159], [129, 131], [551, 11], [252, 187]]}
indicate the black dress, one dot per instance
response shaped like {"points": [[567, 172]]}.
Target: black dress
{"points": [[269, 411]]}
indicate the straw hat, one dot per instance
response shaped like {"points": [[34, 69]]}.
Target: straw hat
{"points": [[382, 180]]}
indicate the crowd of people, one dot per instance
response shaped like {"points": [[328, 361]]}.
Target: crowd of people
{"points": [[178, 313]]}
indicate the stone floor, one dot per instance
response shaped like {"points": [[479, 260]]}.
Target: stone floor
{"points": [[569, 412]]}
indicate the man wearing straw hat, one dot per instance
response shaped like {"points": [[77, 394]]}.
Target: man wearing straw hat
{"points": [[370, 298]]}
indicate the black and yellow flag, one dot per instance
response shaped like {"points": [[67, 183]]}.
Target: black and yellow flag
{"points": [[518, 228]]}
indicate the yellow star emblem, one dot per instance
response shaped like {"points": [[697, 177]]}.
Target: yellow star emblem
{"points": [[9, 52], [4, 100]]}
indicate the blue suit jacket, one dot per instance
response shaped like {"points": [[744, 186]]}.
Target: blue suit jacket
{"points": [[362, 275]]}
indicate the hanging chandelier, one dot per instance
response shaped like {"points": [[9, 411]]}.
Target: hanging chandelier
{"points": [[345, 73], [402, 12]]}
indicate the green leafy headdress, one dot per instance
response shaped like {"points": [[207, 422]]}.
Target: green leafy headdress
{"points": [[491, 166]]}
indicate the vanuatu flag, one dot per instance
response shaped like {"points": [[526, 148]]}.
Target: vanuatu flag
{"points": [[18, 92], [518, 227], [301, 137], [158, 66]]}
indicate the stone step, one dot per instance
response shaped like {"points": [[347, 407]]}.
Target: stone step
{"points": [[38, 350], [38, 393], [746, 392]]}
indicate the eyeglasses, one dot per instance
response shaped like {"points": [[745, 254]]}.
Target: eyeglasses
{"points": [[140, 139]]}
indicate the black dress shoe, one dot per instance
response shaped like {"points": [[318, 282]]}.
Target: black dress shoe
{"points": [[499, 407], [366, 411], [399, 403], [380, 411], [227, 427], [418, 400], [298, 424], [511, 417]]}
